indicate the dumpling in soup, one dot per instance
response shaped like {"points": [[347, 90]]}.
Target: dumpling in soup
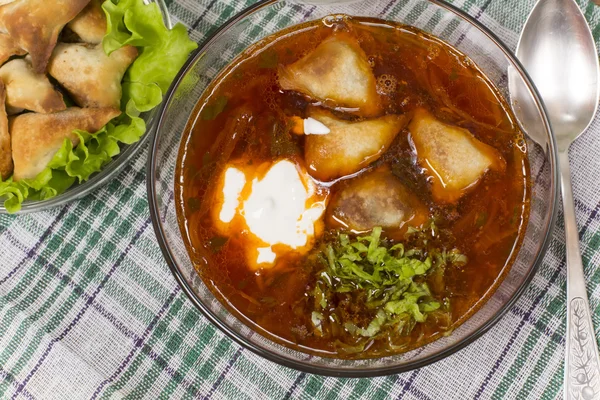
{"points": [[338, 73], [37, 137], [92, 78], [26, 89], [34, 25], [377, 198], [452, 157], [349, 146]]}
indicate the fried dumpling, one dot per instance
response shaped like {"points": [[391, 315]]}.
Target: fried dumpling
{"points": [[6, 163], [90, 24], [34, 25], [338, 73], [91, 77], [9, 48], [452, 157], [377, 198], [37, 137], [349, 146], [28, 90]]}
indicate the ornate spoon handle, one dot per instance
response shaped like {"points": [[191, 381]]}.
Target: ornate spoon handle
{"points": [[582, 373], [582, 364]]}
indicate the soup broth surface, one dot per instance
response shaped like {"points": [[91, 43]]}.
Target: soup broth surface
{"points": [[247, 120]]}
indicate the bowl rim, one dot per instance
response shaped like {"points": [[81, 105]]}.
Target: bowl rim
{"points": [[325, 370]]}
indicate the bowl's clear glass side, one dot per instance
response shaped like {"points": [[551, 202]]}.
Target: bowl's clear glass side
{"points": [[437, 18]]}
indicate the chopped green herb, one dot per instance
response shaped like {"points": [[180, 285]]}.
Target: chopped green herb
{"points": [[386, 279], [268, 59], [320, 299], [217, 243], [317, 320], [210, 112], [349, 349], [374, 326]]}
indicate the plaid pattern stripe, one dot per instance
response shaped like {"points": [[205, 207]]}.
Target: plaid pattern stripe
{"points": [[89, 309]]}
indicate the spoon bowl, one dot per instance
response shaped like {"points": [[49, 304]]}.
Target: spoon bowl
{"points": [[558, 50]]}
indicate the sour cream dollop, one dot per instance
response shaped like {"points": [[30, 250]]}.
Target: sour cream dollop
{"points": [[274, 208]]}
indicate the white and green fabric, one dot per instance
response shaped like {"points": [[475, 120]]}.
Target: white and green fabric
{"points": [[89, 309]]}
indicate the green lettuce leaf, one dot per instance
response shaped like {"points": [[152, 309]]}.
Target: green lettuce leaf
{"points": [[162, 53]]}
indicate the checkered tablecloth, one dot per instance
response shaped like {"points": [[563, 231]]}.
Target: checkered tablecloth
{"points": [[89, 309]]}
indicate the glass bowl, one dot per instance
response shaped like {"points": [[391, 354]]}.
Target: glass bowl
{"points": [[110, 170], [437, 17]]}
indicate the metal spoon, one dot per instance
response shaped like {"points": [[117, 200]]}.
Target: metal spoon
{"points": [[557, 49]]}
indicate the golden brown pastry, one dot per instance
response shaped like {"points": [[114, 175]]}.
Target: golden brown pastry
{"points": [[6, 163], [338, 73], [34, 25], [349, 146], [28, 90], [451, 156], [37, 137], [8, 48], [91, 77], [90, 24]]}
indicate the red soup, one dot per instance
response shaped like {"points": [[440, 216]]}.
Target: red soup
{"points": [[352, 189]]}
